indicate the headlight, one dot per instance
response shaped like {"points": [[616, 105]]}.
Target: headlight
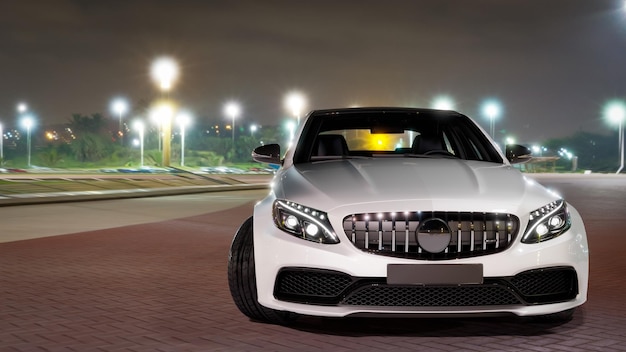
{"points": [[303, 222], [547, 222]]}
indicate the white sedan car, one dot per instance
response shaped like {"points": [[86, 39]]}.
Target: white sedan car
{"points": [[388, 211]]}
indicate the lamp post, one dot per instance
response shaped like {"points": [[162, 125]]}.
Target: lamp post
{"points": [[232, 110], [119, 107], [139, 126], [253, 129], [155, 118], [164, 72], [291, 127], [28, 123], [492, 110], [616, 113], [162, 114], [183, 120], [295, 103], [1, 143]]}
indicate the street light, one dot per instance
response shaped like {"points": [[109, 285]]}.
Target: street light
{"points": [[492, 110], [615, 112], [183, 120], [538, 149], [291, 127], [120, 106], [162, 114], [28, 123], [164, 72], [295, 103], [232, 110], [139, 126], [253, 129], [443, 102], [22, 108], [156, 119], [1, 144]]}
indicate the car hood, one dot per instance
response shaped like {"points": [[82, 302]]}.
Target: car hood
{"points": [[399, 184]]}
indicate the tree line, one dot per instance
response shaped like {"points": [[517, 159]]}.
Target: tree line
{"points": [[95, 140]]}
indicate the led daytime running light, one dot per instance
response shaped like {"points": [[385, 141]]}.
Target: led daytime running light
{"points": [[304, 222], [547, 222]]}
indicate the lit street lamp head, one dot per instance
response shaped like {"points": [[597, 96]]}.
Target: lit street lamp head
{"points": [[28, 122], [232, 109], [295, 102], [119, 106], [162, 113], [183, 119], [138, 125], [164, 72], [615, 112], [22, 107], [443, 103], [491, 109]]}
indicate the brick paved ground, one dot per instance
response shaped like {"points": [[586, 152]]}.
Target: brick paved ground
{"points": [[162, 287]]}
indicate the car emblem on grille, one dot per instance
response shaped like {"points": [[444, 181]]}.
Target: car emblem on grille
{"points": [[433, 235]]}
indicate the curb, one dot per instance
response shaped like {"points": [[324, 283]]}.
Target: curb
{"points": [[82, 196]]}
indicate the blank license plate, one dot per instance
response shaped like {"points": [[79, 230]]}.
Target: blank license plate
{"points": [[434, 274]]}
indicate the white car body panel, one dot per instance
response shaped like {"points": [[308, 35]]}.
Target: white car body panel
{"points": [[280, 249]]}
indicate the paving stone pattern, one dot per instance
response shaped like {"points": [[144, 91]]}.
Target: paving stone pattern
{"points": [[163, 287]]}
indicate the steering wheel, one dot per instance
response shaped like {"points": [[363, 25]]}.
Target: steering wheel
{"points": [[439, 152]]}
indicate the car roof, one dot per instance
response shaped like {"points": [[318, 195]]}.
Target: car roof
{"points": [[381, 110]]}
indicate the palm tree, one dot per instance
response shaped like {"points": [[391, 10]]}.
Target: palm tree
{"points": [[92, 142]]}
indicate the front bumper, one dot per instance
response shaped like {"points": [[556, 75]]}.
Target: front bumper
{"points": [[535, 279]]}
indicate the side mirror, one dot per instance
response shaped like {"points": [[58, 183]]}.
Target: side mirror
{"points": [[269, 154], [518, 153]]}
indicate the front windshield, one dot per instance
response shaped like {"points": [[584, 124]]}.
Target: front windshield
{"points": [[430, 134]]}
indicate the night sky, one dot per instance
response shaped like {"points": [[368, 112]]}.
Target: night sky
{"points": [[552, 63]]}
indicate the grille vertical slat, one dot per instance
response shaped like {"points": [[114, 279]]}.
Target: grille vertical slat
{"points": [[470, 234], [484, 231], [393, 234], [367, 233], [406, 235], [459, 239]]}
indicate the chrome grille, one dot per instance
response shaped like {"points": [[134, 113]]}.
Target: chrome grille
{"points": [[406, 234]]}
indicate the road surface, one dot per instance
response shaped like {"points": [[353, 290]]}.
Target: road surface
{"points": [[150, 275]]}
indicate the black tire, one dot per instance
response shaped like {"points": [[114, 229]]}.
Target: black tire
{"points": [[242, 279], [559, 317]]}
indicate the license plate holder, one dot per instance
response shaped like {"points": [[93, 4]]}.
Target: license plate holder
{"points": [[434, 274]]}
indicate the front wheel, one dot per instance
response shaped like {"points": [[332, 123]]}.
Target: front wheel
{"points": [[242, 279]]}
